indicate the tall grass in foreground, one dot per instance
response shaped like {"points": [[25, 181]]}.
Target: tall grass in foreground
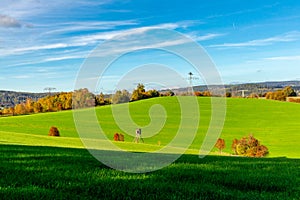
{"points": [[29, 172]]}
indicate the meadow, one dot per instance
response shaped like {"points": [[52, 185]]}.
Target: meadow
{"points": [[274, 123], [36, 166]]}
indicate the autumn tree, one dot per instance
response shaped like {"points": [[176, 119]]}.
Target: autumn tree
{"points": [[82, 98], [281, 95], [289, 92], [207, 94], [20, 109], [138, 93], [121, 97], [198, 93], [37, 107], [29, 106], [220, 144], [249, 146], [153, 93], [101, 100]]}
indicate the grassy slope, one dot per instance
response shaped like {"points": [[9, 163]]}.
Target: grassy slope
{"points": [[275, 123]]}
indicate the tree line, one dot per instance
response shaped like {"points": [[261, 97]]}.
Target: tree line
{"points": [[81, 98], [281, 95]]}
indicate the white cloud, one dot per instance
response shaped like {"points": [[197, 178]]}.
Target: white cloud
{"points": [[42, 47], [9, 22], [95, 38], [86, 40], [287, 37], [67, 57]]}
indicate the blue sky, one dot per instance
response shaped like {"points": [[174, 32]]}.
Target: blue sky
{"points": [[44, 43]]}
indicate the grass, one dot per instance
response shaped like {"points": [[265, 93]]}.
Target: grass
{"points": [[274, 123], [31, 172], [35, 166]]}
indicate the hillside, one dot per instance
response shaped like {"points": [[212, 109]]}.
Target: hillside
{"points": [[274, 123]]}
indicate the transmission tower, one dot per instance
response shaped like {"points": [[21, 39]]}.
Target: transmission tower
{"points": [[49, 89]]}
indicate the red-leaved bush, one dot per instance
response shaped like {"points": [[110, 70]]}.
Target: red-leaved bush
{"points": [[53, 131], [118, 137]]}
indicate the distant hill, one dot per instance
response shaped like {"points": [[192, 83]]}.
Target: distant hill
{"points": [[237, 89], [11, 98]]}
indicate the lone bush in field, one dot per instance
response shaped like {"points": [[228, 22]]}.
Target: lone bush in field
{"points": [[249, 146], [118, 137], [53, 131], [121, 137], [220, 144]]}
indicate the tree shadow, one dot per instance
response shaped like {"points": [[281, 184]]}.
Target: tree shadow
{"points": [[33, 172]]}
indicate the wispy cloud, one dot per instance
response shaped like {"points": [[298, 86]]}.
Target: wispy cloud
{"points": [[208, 36], [43, 47], [285, 58], [92, 39], [9, 22], [88, 25], [287, 37], [30, 8], [245, 11]]}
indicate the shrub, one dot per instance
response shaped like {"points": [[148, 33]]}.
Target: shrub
{"points": [[253, 96], [53, 131], [116, 137], [249, 146], [121, 137], [294, 100]]}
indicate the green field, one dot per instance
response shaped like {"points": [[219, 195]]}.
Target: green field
{"points": [[274, 123], [34, 165]]}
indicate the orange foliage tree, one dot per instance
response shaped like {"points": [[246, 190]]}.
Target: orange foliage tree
{"points": [[220, 144], [249, 146]]}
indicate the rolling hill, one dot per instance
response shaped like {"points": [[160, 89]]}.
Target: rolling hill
{"points": [[274, 123]]}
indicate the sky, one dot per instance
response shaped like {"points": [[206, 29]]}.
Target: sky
{"points": [[46, 43]]}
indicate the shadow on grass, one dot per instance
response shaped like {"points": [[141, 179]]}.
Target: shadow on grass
{"points": [[63, 173]]}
